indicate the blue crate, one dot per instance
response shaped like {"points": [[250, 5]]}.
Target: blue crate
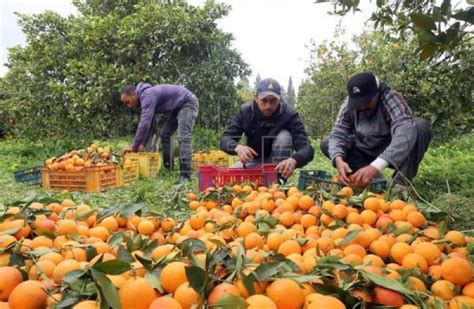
{"points": [[29, 176]]}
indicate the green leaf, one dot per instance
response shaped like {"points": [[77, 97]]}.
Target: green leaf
{"points": [[301, 278], [112, 267], [263, 228], [90, 289], [69, 299], [197, 277], [301, 241], [115, 239], [423, 21], [74, 275], [349, 300], [130, 245], [101, 298], [192, 245], [154, 280], [124, 255], [40, 252], [108, 289], [467, 15], [11, 231], [5, 216], [446, 7], [107, 212], [271, 220], [147, 263], [402, 230], [83, 215], [436, 215], [428, 51], [264, 271], [326, 289], [442, 229], [349, 237], [75, 237], [16, 259], [131, 209], [248, 283], [387, 283], [91, 252], [437, 14], [46, 233], [230, 301]]}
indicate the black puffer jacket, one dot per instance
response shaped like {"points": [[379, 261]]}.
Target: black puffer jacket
{"points": [[250, 121]]}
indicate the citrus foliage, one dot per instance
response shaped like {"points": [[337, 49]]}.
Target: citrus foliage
{"points": [[441, 27], [240, 247], [441, 93], [66, 80]]}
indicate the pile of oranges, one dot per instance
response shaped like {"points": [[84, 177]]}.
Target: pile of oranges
{"points": [[242, 247], [76, 160]]}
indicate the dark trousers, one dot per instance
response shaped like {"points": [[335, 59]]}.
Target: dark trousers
{"points": [[180, 121], [409, 167]]}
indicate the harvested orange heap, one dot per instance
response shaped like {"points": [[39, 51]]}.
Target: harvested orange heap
{"points": [[240, 248], [76, 160]]}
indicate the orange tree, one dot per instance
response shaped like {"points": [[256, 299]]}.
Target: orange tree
{"points": [[67, 77], [441, 27], [441, 92]]}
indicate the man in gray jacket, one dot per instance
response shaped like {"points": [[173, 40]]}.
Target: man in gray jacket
{"points": [[375, 129], [179, 108]]}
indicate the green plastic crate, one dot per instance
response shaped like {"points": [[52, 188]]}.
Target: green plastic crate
{"points": [[323, 180]]}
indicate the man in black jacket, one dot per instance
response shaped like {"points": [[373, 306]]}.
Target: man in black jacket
{"points": [[274, 132]]}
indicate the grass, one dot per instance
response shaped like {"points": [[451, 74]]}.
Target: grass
{"points": [[159, 193], [445, 178]]}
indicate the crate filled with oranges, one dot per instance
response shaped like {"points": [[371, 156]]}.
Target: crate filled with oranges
{"points": [[93, 169], [216, 157]]}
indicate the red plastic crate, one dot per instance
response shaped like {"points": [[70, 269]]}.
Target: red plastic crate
{"points": [[214, 176]]}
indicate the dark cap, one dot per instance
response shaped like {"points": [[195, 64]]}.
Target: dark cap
{"points": [[361, 88], [269, 87]]}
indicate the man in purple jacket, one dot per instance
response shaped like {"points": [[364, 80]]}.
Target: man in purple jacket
{"points": [[179, 107]]}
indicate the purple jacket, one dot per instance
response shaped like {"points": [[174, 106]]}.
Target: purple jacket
{"points": [[162, 98]]}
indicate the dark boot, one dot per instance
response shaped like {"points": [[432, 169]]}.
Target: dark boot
{"points": [[168, 160], [185, 173]]}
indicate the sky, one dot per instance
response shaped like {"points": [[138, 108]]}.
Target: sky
{"points": [[271, 35]]}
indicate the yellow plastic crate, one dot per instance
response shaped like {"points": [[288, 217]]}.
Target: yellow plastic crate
{"points": [[215, 157], [89, 179], [149, 163], [129, 172]]}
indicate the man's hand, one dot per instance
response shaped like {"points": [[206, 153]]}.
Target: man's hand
{"points": [[343, 169], [245, 153], [286, 167], [127, 149], [364, 176]]}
